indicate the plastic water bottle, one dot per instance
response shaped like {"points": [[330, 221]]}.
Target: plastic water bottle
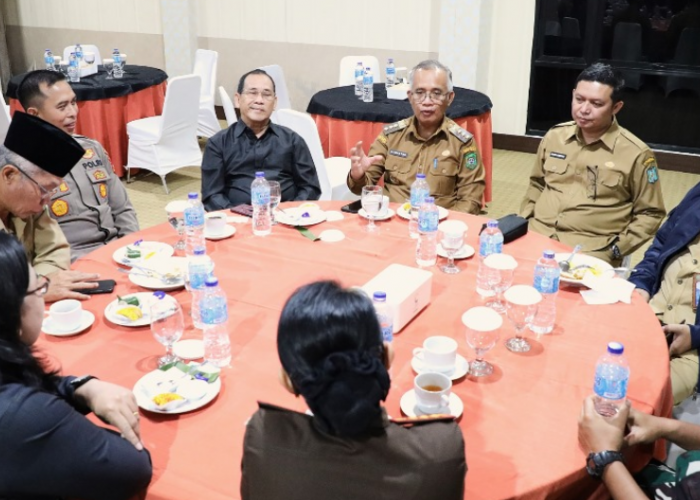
{"points": [[118, 68], [49, 60], [79, 53], [199, 266], [260, 200], [490, 241], [359, 75], [419, 191], [612, 374], [368, 86], [426, 249], [390, 73], [194, 224], [546, 282], [217, 345], [73, 68], [386, 319]]}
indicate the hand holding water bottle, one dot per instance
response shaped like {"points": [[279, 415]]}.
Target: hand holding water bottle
{"points": [[360, 162]]}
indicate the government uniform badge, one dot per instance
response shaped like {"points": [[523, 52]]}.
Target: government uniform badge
{"points": [[59, 208], [63, 187], [89, 153], [470, 160], [99, 175], [652, 174], [103, 190]]}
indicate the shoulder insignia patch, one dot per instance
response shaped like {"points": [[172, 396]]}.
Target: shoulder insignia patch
{"points": [[59, 208], [63, 187], [382, 139], [99, 175], [649, 161], [470, 160], [89, 153], [395, 127], [103, 190], [460, 133], [652, 174]]}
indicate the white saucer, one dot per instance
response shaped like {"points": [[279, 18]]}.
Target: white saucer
{"points": [[86, 321], [149, 249], [334, 215], [386, 215], [408, 405], [332, 235], [227, 233], [460, 370], [189, 349], [464, 253]]}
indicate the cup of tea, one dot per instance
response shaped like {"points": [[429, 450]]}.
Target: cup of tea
{"points": [[215, 224], [432, 392], [438, 354], [66, 315]]}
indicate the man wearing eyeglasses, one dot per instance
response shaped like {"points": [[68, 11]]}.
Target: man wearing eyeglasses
{"points": [[255, 144], [428, 143], [33, 159]]}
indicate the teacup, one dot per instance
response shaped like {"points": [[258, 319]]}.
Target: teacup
{"points": [[215, 224], [66, 315], [438, 354], [432, 392]]}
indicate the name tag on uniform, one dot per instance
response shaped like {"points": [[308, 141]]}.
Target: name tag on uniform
{"points": [[559, 156], [396, 152]]}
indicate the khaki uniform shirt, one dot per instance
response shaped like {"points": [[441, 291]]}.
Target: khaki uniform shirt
{"points": [[449, 159], [46, 246], [673, 303], [91, 204], [597, 194]]}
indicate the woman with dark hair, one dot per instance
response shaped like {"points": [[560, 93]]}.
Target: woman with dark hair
{"points": [[330, 345], [48, 449]]}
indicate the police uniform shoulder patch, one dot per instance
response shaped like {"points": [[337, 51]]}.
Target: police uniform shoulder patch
{"points": [[63, 187], [59, 208], [99, 175], [89, 154], [652, 174], [103, 190], [395, 127], [459, 133]]}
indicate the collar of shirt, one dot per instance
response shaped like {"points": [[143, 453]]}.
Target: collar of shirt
{"points": [[414, 131], [241, 128], [609, 138]]}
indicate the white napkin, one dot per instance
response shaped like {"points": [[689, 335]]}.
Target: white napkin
{"points": [[606, 290]]}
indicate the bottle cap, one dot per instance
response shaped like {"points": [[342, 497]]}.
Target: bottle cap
{"points": [[193, 196], [379, 296], [259, 174], [615, 348], [211, 281], [391, 59], [548, 254], [492, 223], [200, 251], [420, 176], [428, 199]]}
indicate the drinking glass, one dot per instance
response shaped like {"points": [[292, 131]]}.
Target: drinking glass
{"points": [[275, 198], [372, 200], [500, 269], [521, 304], [451, 234], [123, 57], [176, 218], [167, 324], [89, 57], [57, 63], [109, 66], [483, 325]]}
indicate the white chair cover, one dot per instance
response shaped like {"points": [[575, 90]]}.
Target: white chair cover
{"points": [[277, 75], [227, 103], [205, 64]]}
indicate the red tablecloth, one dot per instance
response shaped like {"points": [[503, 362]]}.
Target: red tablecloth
{"points": [[520, 425], [105, 120]]}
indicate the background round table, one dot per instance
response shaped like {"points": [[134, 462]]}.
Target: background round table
{"points": [[343, 120], [106, 106], [519, 425]]}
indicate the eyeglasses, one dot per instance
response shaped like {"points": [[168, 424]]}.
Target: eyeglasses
{"points": [[435, 95], [42, 289], [252, 94], [45, 193]]}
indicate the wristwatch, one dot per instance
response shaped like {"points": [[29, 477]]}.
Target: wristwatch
{"points": [[597, 462], [615, 252], [80, 381]]}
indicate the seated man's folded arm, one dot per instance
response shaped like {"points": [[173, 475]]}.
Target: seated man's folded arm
{"points": [[214, 175], [306, 179]]}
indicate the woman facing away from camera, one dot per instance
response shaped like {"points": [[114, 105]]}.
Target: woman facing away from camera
{"points": [[330, 345], [48, 449]]}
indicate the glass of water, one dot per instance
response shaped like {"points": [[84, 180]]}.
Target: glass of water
{"points": [[372, 199], [521, 304], [275, 198], [483, 326], [176, 217], [167, 324], [109, 67], [500, 270], [451, 235]]}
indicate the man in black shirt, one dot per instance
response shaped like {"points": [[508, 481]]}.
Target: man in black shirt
{"points": [[255, 144]]}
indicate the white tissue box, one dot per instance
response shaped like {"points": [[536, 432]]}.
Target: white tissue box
{"points": [[407, 291], [398, 92], [87, 70]]}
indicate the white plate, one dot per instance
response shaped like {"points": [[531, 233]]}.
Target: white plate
{"points": [[189, 349], [176, 265], [460, 370], [145, 300], [387, 215], [295, 217], [332, 235], [578, 260], [85, 322], [145, 402], [408, 405], [149, 250], [405, 214], [464, 253], [228, 232]]}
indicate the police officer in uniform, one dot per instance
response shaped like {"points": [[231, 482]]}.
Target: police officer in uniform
{"points": [[594, 183], [33, 159], [428, 143], [91, 204]]}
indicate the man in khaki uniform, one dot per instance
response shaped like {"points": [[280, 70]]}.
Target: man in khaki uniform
{"points": [[33, 159], [594, 183], [428, 143], [91, 204]]}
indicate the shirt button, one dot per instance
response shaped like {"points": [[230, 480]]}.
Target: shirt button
{"points": [[670, 307], [680, 282]]}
